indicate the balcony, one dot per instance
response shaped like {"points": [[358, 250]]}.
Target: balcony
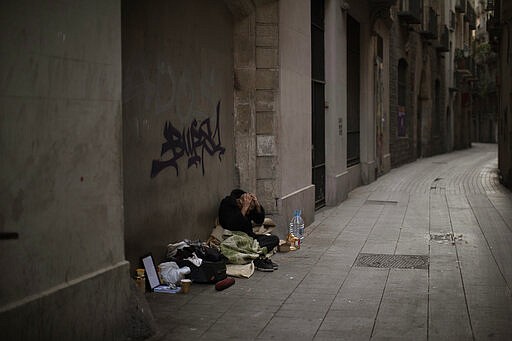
{"points": [[473, 70], [460, 6], [429, 27], [491, 5], [470, 16], [465, 66], [444, 42], [381, 9], [410, 11], [452, 20], [459, 80], [382, 3], [494, 29]]}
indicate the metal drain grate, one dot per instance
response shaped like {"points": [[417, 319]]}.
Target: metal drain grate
{"points": [[373, 260], [381, 202]]}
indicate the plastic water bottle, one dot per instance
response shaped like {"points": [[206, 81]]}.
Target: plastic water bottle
{"points": [[293, 230], [297, 226], [300, 227]]}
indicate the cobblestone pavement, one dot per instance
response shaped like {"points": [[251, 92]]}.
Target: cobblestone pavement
{"points": [[449, 208]]}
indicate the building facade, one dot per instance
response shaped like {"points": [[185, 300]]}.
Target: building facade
{"points": [[484, 122], [500, 36], [268, 96], [431, 87], [465, 72]]}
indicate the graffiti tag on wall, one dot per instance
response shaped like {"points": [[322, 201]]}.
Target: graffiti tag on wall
{"points": [[191, 142]]}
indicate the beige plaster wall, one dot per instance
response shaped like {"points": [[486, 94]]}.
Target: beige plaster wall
{"points": [[295, 109], [60, 146]]}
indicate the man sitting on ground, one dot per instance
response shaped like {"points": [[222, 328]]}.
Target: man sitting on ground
{"points": [[237, 212]]}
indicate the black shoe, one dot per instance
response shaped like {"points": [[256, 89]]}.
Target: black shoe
{"points": [[274, 265], [261, 264]]}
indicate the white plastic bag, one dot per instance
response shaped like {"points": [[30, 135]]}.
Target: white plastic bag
{"points": [[171, 273]]}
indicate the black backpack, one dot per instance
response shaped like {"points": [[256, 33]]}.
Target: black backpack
{"points": [[213, 265], [208, 272]]}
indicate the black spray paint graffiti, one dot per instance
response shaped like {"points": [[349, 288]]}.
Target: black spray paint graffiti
{"points": [[187, 142]]}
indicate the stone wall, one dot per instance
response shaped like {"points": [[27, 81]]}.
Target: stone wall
{"points": [[267, 104], [256, 46]]}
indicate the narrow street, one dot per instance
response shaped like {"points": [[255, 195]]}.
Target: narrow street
{"points": [[342, 284], [386, 123]]}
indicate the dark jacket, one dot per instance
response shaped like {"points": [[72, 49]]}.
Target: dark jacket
{"points": [[231, 218]]}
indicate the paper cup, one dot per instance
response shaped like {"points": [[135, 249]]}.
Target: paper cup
{"points": [[185, 285]]}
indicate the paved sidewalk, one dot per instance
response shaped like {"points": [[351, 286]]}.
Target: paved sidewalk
{"points": [[320, 293]]}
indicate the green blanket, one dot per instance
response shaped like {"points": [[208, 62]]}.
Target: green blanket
{"points": [[240, 248]]}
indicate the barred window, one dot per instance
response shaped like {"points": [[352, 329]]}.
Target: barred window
{"points": [[402, 98]]}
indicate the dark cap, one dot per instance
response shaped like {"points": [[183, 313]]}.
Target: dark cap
{"points": [[237, 193]]}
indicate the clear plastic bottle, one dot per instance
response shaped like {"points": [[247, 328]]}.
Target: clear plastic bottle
{"points": [[293, 230], [297, 226], [300, 228]]}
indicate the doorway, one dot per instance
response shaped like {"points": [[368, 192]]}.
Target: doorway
{"points": [[318, 100], [353, 90], [379, 103], [418, 130]]}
